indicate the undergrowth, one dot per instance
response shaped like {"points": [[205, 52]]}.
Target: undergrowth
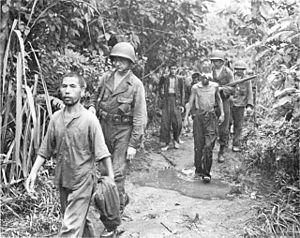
{"points": [[30, 216], [273, 149]]}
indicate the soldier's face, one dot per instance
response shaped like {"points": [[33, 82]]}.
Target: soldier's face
{"points": [[121, 64], [71, 91], [239, 72], [206, 66], [217, 63]]}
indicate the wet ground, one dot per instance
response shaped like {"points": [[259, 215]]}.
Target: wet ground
{"points": [[166, 200], [183, 182]]}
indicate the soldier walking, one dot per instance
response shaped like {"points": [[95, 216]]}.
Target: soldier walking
{"points": [[222, 75], [120, 105], [242, 101]]}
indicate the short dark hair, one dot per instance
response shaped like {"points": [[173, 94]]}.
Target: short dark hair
{"points": [[195, 75], [81, 80]]}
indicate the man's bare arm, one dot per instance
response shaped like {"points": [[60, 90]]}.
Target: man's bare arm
{"points": [[220, 104], [29, 184], [108, 166], [190, 104]]}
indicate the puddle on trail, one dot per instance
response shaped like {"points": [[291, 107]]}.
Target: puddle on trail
{"points": [[183, 183]]}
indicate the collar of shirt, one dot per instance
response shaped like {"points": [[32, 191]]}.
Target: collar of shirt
{"points": [[74, 116], [109, 81]]}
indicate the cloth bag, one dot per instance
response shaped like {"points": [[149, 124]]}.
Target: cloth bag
{"points": [[107, 201]]}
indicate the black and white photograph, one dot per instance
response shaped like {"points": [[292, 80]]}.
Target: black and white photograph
{"points": [[150, 118]]}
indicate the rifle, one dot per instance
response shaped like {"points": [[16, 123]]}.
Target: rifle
{"points": [[225, 92], [232, 84]]}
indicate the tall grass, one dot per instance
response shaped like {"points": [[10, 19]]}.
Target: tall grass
{"points": [[23, 121]]}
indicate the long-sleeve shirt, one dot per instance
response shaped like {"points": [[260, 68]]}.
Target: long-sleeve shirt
{"points": [[75, 146], [127, 99], [223, 78], [243, 94]]}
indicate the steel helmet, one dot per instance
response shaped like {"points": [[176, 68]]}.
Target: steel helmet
{"points": [[123, 49], [217, 55], [240, 64]]}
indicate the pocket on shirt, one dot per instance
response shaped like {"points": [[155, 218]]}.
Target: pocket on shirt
{"points": [[125, 104]]}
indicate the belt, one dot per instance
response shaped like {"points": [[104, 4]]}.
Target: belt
{"points": [[116, 118], [205, 113]]}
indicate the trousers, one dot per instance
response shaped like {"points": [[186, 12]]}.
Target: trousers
{"points": [[224, 127], [205, 134], [171, 119], [238, 120], [117, 139], [74, 206]]}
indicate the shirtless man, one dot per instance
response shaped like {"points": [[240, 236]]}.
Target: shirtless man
{"points": [[203, 97]]}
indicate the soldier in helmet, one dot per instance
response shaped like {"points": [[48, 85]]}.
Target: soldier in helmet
{"points": [[222, 75], [120, 105], [242, 100], [171, 92]]}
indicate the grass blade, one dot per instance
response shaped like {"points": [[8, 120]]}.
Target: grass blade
{"points": [[19, 123]]}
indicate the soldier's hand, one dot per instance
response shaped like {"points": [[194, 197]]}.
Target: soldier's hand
{"points": [[131, 153], [221, 118], [57, 102], [92, 109], [227, 90]]}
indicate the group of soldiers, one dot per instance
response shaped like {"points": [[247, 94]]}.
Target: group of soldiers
{"points": [[108, 132], [212, 104]]}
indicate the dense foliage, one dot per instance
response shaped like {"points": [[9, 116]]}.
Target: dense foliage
{"points": [[44, 39], [271, 32]]}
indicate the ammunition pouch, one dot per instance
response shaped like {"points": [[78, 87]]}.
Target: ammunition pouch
{"points": [[115, 118]]}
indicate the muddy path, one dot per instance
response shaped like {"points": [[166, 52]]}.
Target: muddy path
{"points": [[166, 200]]}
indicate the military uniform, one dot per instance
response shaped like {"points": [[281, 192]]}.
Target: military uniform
{"points": [[225, 77], [243, 97], [122, 114]]}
